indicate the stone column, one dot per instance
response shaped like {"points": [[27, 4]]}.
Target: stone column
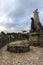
{"points": [[36, 19]]}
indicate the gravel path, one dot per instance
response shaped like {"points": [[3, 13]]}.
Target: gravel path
{"points": [[32, 57]]}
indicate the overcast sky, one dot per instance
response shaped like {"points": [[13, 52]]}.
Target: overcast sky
{"points": [[15, 14]]}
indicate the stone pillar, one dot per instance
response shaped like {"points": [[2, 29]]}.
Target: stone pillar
{"points": [[36, 19]]}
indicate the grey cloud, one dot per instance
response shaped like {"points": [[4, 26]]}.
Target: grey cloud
{"points": [[20, 12]]}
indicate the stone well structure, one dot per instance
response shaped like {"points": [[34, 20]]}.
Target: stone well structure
{"points": [[18, 46]]}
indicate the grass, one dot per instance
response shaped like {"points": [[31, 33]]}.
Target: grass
{"points": [[22, 43]]}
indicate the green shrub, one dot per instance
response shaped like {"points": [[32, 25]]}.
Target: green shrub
{"points": [[22, 43]]}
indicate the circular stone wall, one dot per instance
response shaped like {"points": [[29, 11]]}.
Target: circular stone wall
{"points": [[18, 47]]}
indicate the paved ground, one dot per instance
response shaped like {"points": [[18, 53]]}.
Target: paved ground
{"points": [[32, 57]]}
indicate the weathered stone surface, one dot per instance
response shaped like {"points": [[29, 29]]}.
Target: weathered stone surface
{"points": [[21, 47], [34, 39], [37, 23], [36, 36]]}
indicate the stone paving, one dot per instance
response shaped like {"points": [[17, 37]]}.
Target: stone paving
{"points": [[32, 57]]}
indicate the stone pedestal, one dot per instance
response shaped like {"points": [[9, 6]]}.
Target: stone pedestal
{"points": [[41, 39], [36, 38]]}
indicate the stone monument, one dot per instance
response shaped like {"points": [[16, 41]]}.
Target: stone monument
{"points": [[36, 32]]}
